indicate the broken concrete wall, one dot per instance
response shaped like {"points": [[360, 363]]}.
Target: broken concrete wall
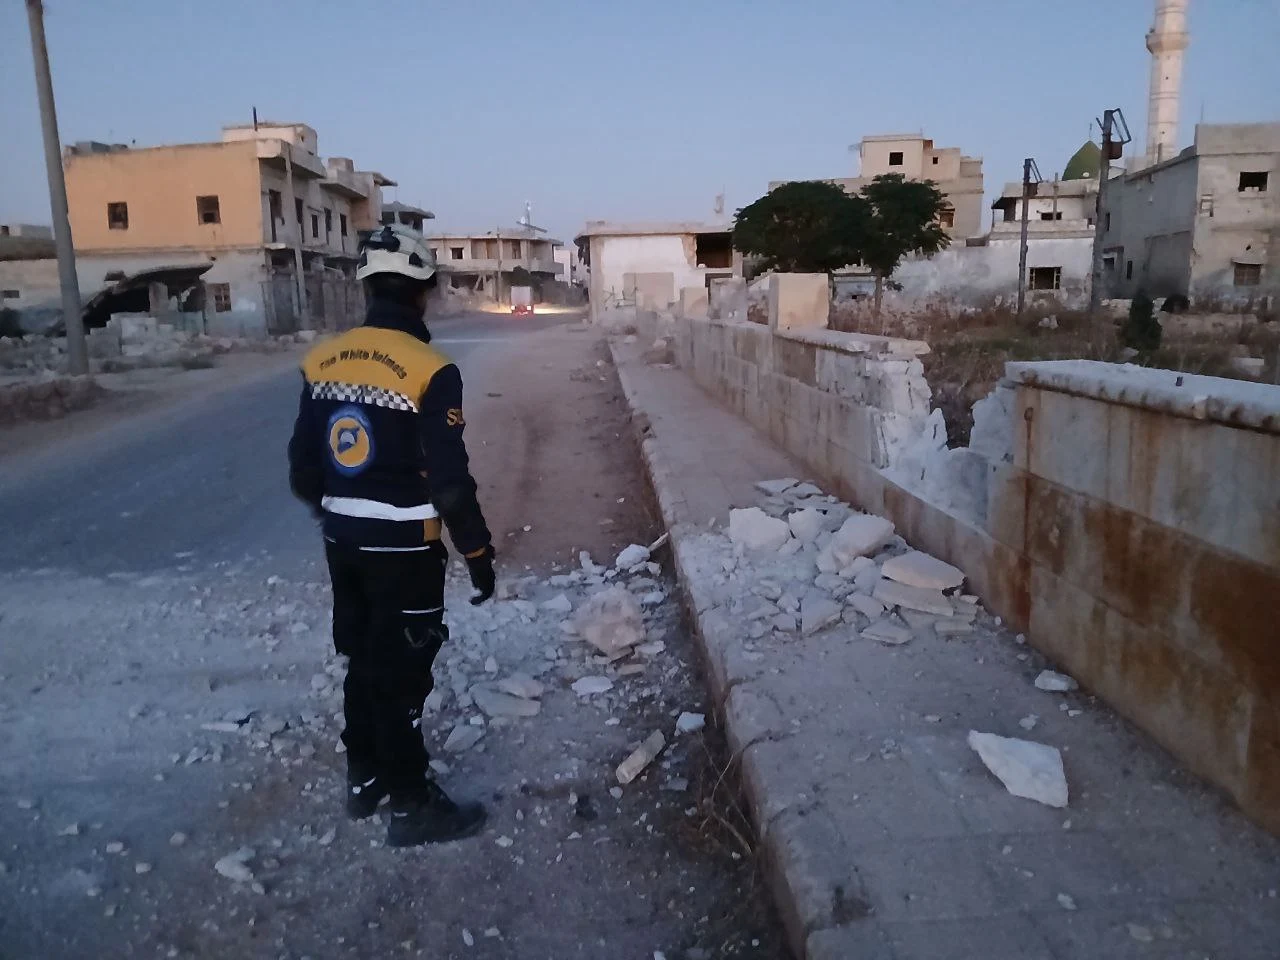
{"points": [[1127, 520]]}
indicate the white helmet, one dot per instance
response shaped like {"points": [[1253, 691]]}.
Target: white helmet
{"points": [[395, 248]]}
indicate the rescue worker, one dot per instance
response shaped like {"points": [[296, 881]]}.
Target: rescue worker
{"points": [[377, 453]]}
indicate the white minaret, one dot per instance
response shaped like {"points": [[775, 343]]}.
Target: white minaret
{"points": [[1166, 40]]}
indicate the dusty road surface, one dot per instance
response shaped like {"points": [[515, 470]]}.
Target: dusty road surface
{"points": [[168, 698]]}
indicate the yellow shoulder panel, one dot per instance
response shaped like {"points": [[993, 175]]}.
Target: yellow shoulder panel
{"points": [[373, 357]]}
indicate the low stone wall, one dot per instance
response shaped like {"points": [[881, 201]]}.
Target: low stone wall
{"points": [[1127, 520], [46, 399]]}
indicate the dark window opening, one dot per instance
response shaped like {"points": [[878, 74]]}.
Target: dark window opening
{"points": [[1046, 278], [713, 250], [118, 216], [1128, 270], [297, 210], [1108, 223], [4, 230], [1255, 180], [10, 294], [947, 217], [1248, 274], [342, 224], [515, 249], [275, 210], [935, 161], [1051, 215], [221, 294], [207, 210], [895, 158], [1109, 263], [455, 253], [315, 226]]}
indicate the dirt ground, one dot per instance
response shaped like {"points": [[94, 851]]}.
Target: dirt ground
{"points": [[185, 707]]}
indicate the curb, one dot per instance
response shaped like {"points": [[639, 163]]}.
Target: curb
{"points": [[783, 853]]}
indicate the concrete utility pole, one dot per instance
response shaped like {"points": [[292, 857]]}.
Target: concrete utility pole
{"points": [[1115, 134], [77, 351], [1030, 186], [300, 287]]}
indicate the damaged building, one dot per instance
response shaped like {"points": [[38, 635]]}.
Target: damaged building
{"points": [[277, 225], [1202, 224], [492, 262], [647, 265]]}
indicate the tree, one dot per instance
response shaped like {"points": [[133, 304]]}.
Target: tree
{"points": [[806, 226], [903, 218], [1141, 331]]}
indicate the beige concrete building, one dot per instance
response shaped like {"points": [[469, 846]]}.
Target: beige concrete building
{"points": [[486, 262], [915, 157], [258, 204], [646, 265], [1205, 223], [406, 215]]}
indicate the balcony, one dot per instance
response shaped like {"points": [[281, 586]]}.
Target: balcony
{"points": [[344, 184], [273, 153]]}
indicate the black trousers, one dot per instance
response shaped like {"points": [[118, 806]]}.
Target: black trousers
{"points": [[388, 618]]}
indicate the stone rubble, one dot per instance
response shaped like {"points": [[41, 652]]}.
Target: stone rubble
{"points": [[1053, 682], [641, 757], [916, 569], [756, 530], [1027, 769]]}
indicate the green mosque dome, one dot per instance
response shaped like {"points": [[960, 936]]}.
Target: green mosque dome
{"points": [[1083, 165]]}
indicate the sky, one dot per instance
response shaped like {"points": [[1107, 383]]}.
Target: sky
{"points": [[604, 109]]}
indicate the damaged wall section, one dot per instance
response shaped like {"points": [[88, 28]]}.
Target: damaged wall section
{"points": [[1126, 519]]}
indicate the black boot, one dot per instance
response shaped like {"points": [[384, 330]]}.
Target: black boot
{"points": [[427, 815], [364, 792]]}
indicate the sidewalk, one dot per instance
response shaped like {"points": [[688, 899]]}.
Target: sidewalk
{"points": [[883, 834]]}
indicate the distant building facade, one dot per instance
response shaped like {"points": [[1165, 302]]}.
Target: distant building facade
{"points": [[646, 265], [1205, 223], [255, 204], [406, 214], [488, 262]]}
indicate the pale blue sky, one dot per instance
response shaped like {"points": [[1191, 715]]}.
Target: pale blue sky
{"points": [[616, 110]]}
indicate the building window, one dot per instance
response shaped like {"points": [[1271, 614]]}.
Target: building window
{"points": [[297, 210], [315, 226], [1051, 215], [515, 249], [1248, 274], [1128, 269], [1255, 182], [1107, 225], [895, 158], [455, 253], [207, 210], [118, 216], [935, 161], [220, 293], [1046, 278], [10, 294], [947, 217], [1109, 263], [4, 230], [1206, 205], [342, 224]]}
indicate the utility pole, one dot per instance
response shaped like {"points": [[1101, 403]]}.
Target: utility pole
{"points": [[77, 351], [1030, 187], [300, 286], [1115, 134]]}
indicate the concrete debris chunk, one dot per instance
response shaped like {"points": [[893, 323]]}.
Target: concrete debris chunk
{"points": [[869, 607], [558, 604], [611, 621], [775, 487], [641, 757], [953, 626], [1054, 682], [805, 525], [917, 569], [522, 685], [1027, 769], [235, 865], [690, 722], [817, 612], [495, 703], [859, 536], [894, 594], [590, 686], [756, 530], [888, 633], [463, 737], [631, 557], [802, 491]]}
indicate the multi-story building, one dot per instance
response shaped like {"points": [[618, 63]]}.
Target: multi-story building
{"points": [[406, 214], [1204, 223], [278, 223], [916, 158], [487, 262]]}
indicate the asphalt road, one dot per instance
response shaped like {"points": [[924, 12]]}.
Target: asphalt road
{"points": [[205, 481]]}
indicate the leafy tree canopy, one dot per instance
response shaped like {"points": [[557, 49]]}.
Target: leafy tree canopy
{"points": [[806, 226]]}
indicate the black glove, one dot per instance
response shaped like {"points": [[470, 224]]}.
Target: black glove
{"points": [[482, 576]]}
